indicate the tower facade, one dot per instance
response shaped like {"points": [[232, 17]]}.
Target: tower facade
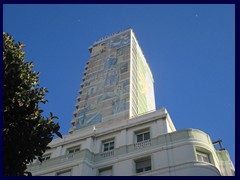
{"points": [[117, 82]]}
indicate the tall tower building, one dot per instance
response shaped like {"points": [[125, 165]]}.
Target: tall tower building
{"points": [[121, 133], [117, 82]]}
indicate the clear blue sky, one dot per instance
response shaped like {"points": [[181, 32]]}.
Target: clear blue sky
{"points": [[190, 50]]}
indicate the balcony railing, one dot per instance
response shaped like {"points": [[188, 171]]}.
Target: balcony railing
{"points": [[54, 161], [107, 154], [142, 144], [67, 157]]}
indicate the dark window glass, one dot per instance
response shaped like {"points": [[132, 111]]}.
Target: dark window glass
{"points": [[148, 168], [139, 170], [112, 145], [76, 150], [146, 136], [105, 147], [108, 146], [139, 138]]}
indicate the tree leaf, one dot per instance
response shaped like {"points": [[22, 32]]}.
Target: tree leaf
{"points": [[59, 134], [40, 159]]}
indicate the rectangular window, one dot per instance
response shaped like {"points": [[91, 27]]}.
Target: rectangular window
{"points": [[73, 150], [143, 136], [105, 171], [202, 156], [143, 165], [46, 157], [108, 145]]}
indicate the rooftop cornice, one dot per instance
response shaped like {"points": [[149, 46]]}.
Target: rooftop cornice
{"points": [[110, 36]]}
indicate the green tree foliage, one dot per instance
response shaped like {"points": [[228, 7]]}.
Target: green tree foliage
{"points": [[26, 132]]}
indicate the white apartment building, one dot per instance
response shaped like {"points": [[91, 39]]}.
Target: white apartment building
{"points": [[148, 145], [117, 130]]}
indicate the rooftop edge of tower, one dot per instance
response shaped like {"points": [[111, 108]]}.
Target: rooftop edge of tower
{"points": [[109, 36]]}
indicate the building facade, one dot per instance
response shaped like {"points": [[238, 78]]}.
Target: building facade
{"points": [[117, 82], [116, 129]]}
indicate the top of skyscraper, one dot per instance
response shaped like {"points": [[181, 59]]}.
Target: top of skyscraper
{"points": [[110, 36]]}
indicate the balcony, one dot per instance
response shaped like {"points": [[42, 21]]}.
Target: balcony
{"points": [[107, 154], [54, 161], [142, 144]]}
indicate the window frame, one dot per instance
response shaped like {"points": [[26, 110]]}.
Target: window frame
{"points": [[108, 142], [46, 157], [201, 150], [74, 148], [203, 155], [143, 160], [142, 132]]}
